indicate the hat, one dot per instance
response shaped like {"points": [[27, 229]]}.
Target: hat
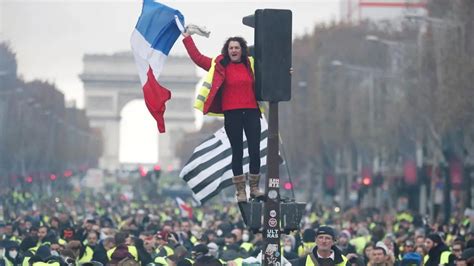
{"points": [[43, 252], [200, 249], [162, 235], [345, 233], [309, 235], [8, 244], [381, 244], [363, 231], [467, 254], [435, 238], [326, 230], [412, 258], [212, 247]]}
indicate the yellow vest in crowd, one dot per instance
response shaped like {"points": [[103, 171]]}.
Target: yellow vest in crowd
{"points": [[309, 261], [444, 259], [87, 256]]}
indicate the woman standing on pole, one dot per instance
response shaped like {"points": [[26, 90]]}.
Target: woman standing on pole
{"points": [[230, 81]]}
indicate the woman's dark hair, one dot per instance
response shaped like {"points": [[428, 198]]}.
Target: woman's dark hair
{"points": [[243, 46]]}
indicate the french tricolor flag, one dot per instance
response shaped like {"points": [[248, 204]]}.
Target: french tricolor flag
{"points": [[156, 31]]}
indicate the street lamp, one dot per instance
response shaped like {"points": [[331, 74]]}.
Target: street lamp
{"points": [[358, 68]]}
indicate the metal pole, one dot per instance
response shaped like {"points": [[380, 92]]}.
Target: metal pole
{"points": [[271, 254], [447, 192]]}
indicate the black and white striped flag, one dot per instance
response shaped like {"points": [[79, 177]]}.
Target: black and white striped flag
{"points": [[209, 170]]}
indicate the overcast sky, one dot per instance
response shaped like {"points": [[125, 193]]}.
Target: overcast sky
{"points": [[51, 37]]}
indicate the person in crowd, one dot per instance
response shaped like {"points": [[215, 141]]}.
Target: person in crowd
{"points": [[122, 249], [379, 257], [467, 258], [164, 248], [288, 248], [100, 251], [438, 252], [367, 252], [9, 253], [82, 233], [325, 252], [408, 247], [343, 243], [307, 242], [457, 248]]}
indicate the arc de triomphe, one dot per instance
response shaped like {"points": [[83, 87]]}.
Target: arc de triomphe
{"points": [[111, 81]]}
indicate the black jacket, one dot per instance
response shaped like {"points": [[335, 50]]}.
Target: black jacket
{"points": [[100, 254]]}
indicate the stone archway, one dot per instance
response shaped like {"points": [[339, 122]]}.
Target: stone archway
{"points": [[111, 81]]}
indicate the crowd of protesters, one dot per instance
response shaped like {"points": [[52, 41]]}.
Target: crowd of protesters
{"points": [[85, 228]]}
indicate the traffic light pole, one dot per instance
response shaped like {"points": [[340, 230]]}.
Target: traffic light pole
{"points": [[271, 253], [273, 84]]}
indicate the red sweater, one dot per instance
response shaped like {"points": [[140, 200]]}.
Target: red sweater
{"points": [[237, 90]]}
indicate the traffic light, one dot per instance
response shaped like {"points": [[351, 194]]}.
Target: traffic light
{"points": [[273, 42], [143, 172], [366, 174], [367, 180], [67, 173], [288, 186]]}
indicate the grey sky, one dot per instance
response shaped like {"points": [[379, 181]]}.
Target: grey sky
{"points": [[51, 37]]}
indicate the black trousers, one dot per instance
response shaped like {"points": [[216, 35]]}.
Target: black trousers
{"points": [[235, 122]]}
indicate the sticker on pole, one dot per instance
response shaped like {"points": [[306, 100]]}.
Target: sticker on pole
{"points": [[272, 222], [272, 233], [273, 213], [274, 183], [272, 194]]}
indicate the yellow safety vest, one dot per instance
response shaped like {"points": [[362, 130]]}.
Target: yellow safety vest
{"points": [[206, 87], [305, 248], [40, 263], [169, 251], [7, 262], [246, 246], [444, 259], [309, 260], [193, 239], [14, 239], [238, 261], [131, 249], [359, 243], [26, 260], [161, 260], [87, 256]]}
